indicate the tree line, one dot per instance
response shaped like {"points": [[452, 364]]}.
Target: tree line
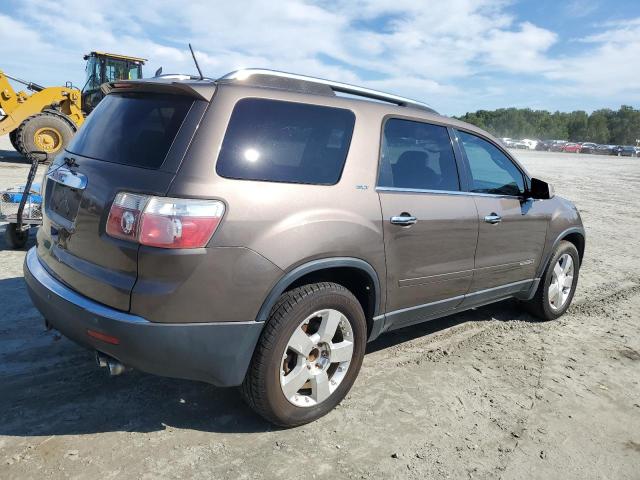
{"points": [[606, 126]]}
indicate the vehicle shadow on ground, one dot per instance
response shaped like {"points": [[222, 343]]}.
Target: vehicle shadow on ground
{"points": [[52, 386], [11, 156], [505, 311]]}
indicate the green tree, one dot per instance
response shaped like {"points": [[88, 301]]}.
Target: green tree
{"points": [[597, 127], [620, 127], [577, 126]]}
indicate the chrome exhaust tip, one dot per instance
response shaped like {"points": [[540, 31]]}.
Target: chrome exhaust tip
{"points": [[101, 360], [113, 365]]}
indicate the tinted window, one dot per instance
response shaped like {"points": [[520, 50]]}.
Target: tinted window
{"points": [[132, 129], [285, 142], [417, 155], [491, 170]]}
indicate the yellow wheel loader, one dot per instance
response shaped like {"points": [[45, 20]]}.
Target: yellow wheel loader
{"points": [[46, 119]]}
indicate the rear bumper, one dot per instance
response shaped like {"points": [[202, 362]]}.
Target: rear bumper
{"points": [[217, 353]]}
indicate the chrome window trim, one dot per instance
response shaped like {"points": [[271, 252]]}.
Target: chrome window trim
{"points": [[444, 192]]}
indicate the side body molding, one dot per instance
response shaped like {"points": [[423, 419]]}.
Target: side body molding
{"points": [[313, 266]]}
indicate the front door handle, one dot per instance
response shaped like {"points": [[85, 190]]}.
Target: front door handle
{"points": [[404, 219], [493, 218]]}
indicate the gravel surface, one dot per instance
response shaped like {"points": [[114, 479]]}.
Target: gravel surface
{"points": [[484, 394]]}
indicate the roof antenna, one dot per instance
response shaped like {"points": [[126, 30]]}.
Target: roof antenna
{"points": [[196, 62]]}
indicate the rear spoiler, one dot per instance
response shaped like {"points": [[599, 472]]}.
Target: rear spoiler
{"points": [[199, 89]]}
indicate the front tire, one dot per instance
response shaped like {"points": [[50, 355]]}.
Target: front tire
{"points": [[558, 283], [44, 132], [13, 140], [308, 356]]}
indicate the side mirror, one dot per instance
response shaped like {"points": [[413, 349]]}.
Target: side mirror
{"points": [[541, 190]]}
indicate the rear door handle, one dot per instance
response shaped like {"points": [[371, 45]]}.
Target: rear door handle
{"points": [[493, 218], [404, 219]]}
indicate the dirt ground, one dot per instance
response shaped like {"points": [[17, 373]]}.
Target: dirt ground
{"points": [[489, 393]]}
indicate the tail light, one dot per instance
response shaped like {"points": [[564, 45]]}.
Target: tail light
{"points": [[164, 222]]}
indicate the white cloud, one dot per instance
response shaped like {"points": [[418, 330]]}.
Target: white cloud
{"points": [[581, 8], [450, 54], [521, 50], [610, 68]]}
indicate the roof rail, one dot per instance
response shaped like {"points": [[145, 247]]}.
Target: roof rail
{"points": [[246, 74]]}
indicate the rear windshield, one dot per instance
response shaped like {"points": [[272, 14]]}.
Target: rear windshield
{"points": [[280, 141], [132, 128]]}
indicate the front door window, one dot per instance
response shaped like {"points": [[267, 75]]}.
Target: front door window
{"points": [[491, 170]]}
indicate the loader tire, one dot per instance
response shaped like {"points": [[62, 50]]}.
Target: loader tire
{"points": [[44, 132], [13, 139]]}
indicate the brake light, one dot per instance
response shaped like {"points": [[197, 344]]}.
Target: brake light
{"points": [[124, 216], [164, 222]]}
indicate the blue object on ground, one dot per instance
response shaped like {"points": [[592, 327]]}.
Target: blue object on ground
{"points": [[15, 195]]}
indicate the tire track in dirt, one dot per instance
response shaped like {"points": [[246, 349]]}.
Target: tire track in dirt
{"points": [[603, 304]]}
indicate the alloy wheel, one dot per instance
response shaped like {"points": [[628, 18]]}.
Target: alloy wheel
{"points": [[316, 358], [561, 282]]}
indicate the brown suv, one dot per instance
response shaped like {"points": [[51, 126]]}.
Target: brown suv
{"points": [[259, 229]]}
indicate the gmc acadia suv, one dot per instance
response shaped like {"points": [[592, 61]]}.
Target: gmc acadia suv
{"points": [[259, 229]]}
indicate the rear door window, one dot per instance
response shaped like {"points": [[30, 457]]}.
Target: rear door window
{"points": [[280, 141], [417, 156], [132, 129]]}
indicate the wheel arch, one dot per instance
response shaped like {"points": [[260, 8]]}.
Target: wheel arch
{"points": [[574, 235], [355, 274], [577, 238]]}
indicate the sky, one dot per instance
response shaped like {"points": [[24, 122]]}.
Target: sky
{"points": [[455, 55]]}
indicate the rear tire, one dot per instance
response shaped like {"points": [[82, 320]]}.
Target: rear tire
{"points": [[301, 316], [15, 238], [45, 132], [555, 291]]}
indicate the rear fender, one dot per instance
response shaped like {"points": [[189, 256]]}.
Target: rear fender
{"points": [[313, 266]]}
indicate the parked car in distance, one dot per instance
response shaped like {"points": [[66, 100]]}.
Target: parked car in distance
{"points": [[518, 144], [544, 145], [571, 148], [321, 222], [617, 150], [558, 145], [630, 151], [513, 143], [588, 147], [531, 144], [604, 149]]}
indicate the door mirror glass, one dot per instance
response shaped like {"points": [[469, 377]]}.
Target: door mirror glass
{"points": [[541, 189]]}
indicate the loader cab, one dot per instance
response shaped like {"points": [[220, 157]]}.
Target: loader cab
{"points": [[107, 67]]}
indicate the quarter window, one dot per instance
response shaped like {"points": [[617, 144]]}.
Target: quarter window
{"points": [[417, 155], [491, 170], [279, 141]]}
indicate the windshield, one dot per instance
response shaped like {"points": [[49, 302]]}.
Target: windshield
{"points": [[93, 74]]}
